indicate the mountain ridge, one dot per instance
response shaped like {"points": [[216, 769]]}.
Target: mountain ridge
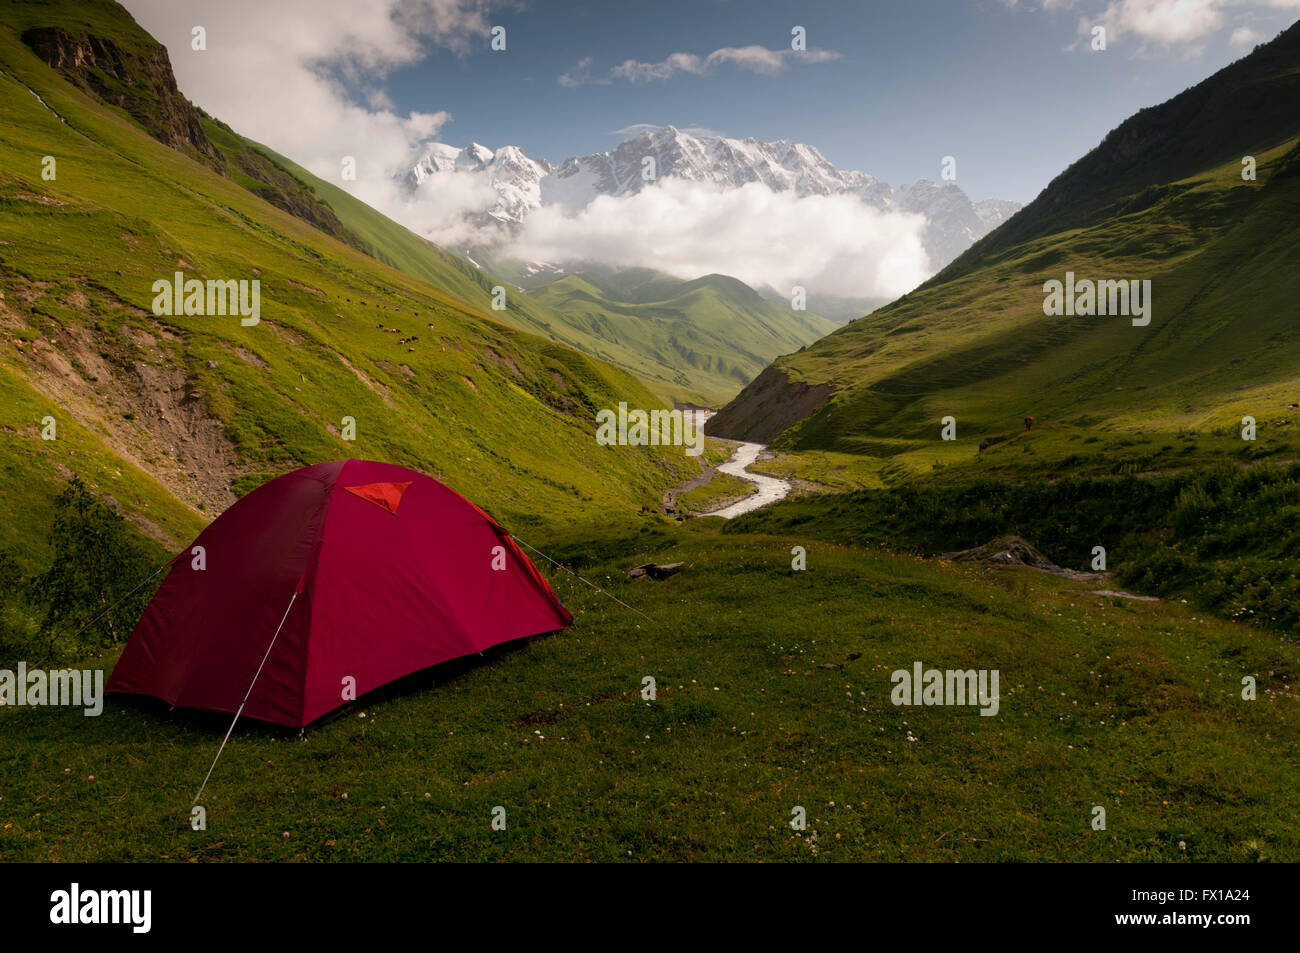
{"points": [[524, 185], [715, 330]]}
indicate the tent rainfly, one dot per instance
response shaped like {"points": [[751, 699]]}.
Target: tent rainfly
{"points": [[326, 583]]}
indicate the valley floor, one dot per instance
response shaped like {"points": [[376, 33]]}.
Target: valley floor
{"points": [[773, 692]]}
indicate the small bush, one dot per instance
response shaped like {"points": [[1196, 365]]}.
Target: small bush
{"points": [[95, 564]]}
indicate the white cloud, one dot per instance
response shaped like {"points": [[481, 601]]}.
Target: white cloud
{"points": [[756, 59], [272, 71], [762, 60], [581, 73], [447, 208], [637, 72], [1164, 24], [835, 244]]}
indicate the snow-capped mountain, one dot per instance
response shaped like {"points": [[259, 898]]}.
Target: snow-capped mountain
{"points": [[515, 177], [729, 163], [523, 184]]}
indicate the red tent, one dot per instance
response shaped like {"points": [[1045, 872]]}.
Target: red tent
{"points": [[352, 574]]}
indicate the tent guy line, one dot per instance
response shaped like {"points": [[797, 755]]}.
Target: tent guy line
{"points": [[133, 590], [572, 573], [240, 711]]}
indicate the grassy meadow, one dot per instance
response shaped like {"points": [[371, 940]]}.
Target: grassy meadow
{"points": [[1132, 706]]}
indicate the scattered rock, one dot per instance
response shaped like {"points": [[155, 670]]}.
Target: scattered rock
{"points": [[1014, 551], [656, 572]]}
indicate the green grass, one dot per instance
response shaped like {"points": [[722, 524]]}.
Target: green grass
{"points": [[1223, 538], [722, 490], [824, 471], [1134, 707]]}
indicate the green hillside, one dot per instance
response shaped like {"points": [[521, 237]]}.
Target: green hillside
{"points": [[706, 338], [1223, 258], [174, 416], [1079, 431]]}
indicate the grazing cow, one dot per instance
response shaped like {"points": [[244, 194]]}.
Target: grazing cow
{"points": [[1029, 423]]}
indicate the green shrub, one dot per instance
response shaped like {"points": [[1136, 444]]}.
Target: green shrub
{"points": [[1224, 538], [95, 564]]}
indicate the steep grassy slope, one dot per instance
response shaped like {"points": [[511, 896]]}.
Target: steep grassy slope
{"points": [[1246, 108], [1223, 258], [98, 49], [174, 416], [709, 336]]}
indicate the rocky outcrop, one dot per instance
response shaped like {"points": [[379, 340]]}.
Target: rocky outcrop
{"points": [[1014, 551], [768, 406], [139, 81]]}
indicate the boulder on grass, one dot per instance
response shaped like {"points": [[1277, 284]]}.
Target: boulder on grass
{"points": [[656, 572]]}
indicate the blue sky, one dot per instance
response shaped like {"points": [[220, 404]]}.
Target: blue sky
{"points": [[995, 86], [1011, 88]]}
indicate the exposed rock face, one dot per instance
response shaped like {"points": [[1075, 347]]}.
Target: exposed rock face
{"points": [[141, 83], [770, 404]]}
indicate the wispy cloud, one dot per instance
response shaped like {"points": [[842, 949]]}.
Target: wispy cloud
{"points": [[1160, 25], [756, 59], [1244, 36], [581, 73], [307, 79]]}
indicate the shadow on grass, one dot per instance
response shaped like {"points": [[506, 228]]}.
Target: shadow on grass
{"points": [[423, 680]]}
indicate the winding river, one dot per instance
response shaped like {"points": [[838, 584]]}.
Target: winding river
{"points": [[770, 489]]}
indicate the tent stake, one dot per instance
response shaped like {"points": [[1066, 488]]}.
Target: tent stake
{"points": [[240, 710]]}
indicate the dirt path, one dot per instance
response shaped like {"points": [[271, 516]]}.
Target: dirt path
{"points": [[669, 505]]}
